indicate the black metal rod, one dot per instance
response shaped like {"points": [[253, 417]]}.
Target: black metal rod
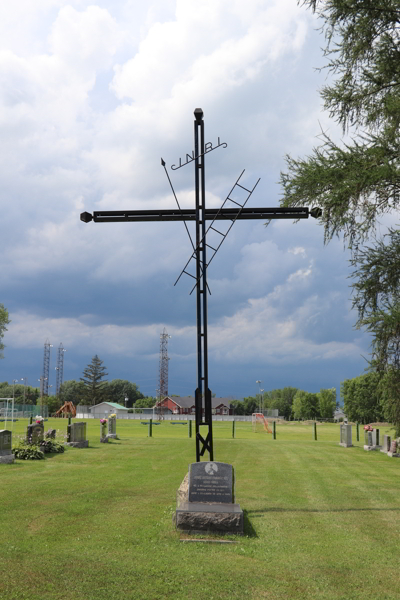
{"points": [[185, 214], [199, 390], [207, 392]]}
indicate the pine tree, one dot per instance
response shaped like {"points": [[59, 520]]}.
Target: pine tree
{"points": [[93, 381], [357, 181], [4, 320]]}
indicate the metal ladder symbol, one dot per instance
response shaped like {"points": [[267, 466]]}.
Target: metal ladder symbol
{"points": [[223, 235]]}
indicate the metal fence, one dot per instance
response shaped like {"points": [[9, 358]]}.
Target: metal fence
{"points": [[21, 411], [169, 417]]}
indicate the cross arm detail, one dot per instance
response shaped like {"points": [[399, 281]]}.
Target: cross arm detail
{"points": [[187, 214]]}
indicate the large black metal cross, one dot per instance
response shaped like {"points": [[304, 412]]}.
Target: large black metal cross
{"points": [[201, 214]]}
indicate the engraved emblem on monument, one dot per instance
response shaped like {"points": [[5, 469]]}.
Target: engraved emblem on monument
{"points": [[211, 482]]}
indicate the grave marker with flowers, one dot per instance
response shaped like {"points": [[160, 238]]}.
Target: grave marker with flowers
{"points": [[35, 431], [371, 436]]}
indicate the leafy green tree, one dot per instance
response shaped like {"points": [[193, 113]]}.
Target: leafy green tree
{"points": [[4, 320], [72, 391], [297, 406], [147, 402], [94, 384], [361, 398], [327, 403], [282, 399], [305, 405], [389, 392], [119, 389], [237, 406], [251, 404], [53, 403]]}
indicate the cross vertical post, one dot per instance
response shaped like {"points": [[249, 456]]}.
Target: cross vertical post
{"points": [[202, 391]]}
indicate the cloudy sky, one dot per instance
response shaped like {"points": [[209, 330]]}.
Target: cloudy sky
{"points": [[92, 95]]}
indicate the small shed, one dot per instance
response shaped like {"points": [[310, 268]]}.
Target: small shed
{"points": [[108, 408]]}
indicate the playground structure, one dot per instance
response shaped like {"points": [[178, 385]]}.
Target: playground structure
{"points": [[260, 423], [67, 410]]}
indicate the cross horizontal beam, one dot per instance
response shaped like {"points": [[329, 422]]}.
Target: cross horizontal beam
{"points": [[188, 214]]}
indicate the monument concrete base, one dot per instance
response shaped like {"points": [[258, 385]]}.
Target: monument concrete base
{"points": [[104, 440], [7, 459], [345, 445], [198, 517], [83, 444], [369, 448], [112, 436], [393, 454]]}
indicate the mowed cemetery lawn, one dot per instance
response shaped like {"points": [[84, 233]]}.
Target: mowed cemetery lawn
{"points": [[321, 521]]}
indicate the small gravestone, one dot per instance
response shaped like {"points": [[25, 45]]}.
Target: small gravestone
{"points": [[51, 434], [393, 452], [6, 455], [103, 431], [386, 444], [376, 439], [345, 436], [112, 427], [76, 435], [206, 500], [35, 433]]}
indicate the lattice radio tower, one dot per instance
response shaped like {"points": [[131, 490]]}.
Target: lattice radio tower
{"points": [[60, 368], [44, 380], [163, 383]]}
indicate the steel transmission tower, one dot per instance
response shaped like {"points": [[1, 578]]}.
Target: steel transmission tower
{"points": [[44, 380], [163, 384], [60, 368]]}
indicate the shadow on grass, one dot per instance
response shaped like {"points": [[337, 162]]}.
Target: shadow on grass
{"points": [[263, 511], [248, 528]]}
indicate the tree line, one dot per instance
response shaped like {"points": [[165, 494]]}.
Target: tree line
{"points": [[291, 403]]}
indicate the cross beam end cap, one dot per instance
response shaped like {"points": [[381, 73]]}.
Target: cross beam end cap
{"points": [[198, 113], [86, 217], [316, 212]]}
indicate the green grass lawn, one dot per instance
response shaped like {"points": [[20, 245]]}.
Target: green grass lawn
{"points": [[322, 521]]}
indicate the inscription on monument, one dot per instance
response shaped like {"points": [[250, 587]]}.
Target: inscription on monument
{"points": [[35, 433], [211, 482], [78, 432], [5, 442]]}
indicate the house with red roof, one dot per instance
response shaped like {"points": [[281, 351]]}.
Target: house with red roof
{"points": [[185, 405]]}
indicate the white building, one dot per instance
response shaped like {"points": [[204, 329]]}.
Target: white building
{"points": [[108, 408]]}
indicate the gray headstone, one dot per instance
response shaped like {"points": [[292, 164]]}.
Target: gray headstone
{"points": [[211, 482], [77, 435], [112, 425], [345, 435], [112, 428], [51, 434], [375, 437], [386, 444], [6, 455], [35, 433], [5, 442], [103, 433]]}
